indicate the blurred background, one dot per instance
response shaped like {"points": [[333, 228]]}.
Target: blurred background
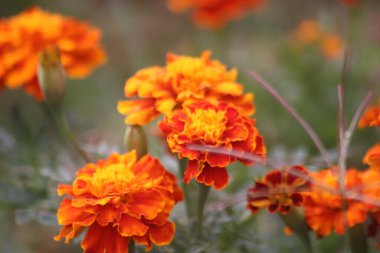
{"points": [[271, 41]]}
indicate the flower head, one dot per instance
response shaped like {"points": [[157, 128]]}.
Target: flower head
{"points": [[326, 211], [212, 125], [371, 117], [279, 190], [183, 80], [215, 13], [350, 2], [119, 199], [23, 37]]}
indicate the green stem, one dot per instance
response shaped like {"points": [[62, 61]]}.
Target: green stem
{"points": [[185, 187], [131, 246], [358, 242], [296, 222], [65, 131], [202, 198]]}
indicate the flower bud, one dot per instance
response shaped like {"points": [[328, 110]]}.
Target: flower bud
{"points": [[51, 76], [135, 139]]}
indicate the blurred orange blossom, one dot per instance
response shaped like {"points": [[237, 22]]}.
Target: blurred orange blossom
{"points": [[214, 13], [24, 36]]}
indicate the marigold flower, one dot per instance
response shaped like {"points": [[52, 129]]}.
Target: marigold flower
{"points": [[323, 209], [184, 79], [22, 37], [310, 33], [279, 190], [119, 199], [350, 2], [372, 157], [212, 125], [371, 117], [332, 46], [307, 32], [215, 13]]}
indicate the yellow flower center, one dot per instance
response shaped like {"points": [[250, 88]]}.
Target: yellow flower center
{"points": [[113, 177], [207, 125]]}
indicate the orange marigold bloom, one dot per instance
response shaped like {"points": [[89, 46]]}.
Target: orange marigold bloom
{"points": [[279, 190], [22, 38], [308, 31], [184, 79], [372, 157], [350, 2], [119, 199], [212, 125], [332, 46], [323, 209], [371, 117], [215, 13]]}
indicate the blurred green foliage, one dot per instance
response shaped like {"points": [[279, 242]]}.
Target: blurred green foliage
{"points": [[138, 34]]}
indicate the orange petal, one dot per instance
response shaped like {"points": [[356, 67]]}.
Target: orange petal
{"points": [[148, 204], [162, 235], [104, 239], [129, 226], [216, 177], [68, 214], [192, 170]]}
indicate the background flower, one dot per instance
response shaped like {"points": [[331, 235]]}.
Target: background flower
{"points": [[279, 190], [24, 36], [215, 13]]}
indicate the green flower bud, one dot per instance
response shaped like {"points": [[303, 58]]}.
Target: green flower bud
{"points": [[51, 76], [135, 139]]}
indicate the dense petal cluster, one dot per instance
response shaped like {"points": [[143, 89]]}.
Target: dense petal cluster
{"points": [[119, 199], [183, 80], [211, 125], [309, 33], [371, 117], [327, 211], [22, 38], [214, 13], [279, 190]]}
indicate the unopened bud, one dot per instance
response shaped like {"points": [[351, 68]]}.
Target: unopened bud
{"points": [[135, 139], [51, 76]]}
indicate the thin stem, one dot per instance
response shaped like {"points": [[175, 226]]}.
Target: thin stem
{"points": [[131, 246], [309, 130], [348, 137], [185, 187], [202, 198], [64, 129]]}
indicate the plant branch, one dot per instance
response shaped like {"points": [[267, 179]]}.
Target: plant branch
{"points": [[309, 130]]}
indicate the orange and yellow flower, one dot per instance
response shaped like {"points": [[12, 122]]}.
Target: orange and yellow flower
{"points": [[184, 79], [212, 125], [24, 36], [372, 157], [350, 2], [214, 13], [119, 199], [332, 46], [310, 33], [324, 210], [371, 117], [279, 190]]}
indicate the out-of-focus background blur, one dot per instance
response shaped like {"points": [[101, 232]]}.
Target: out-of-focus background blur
{"points": [[138, 34]]}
